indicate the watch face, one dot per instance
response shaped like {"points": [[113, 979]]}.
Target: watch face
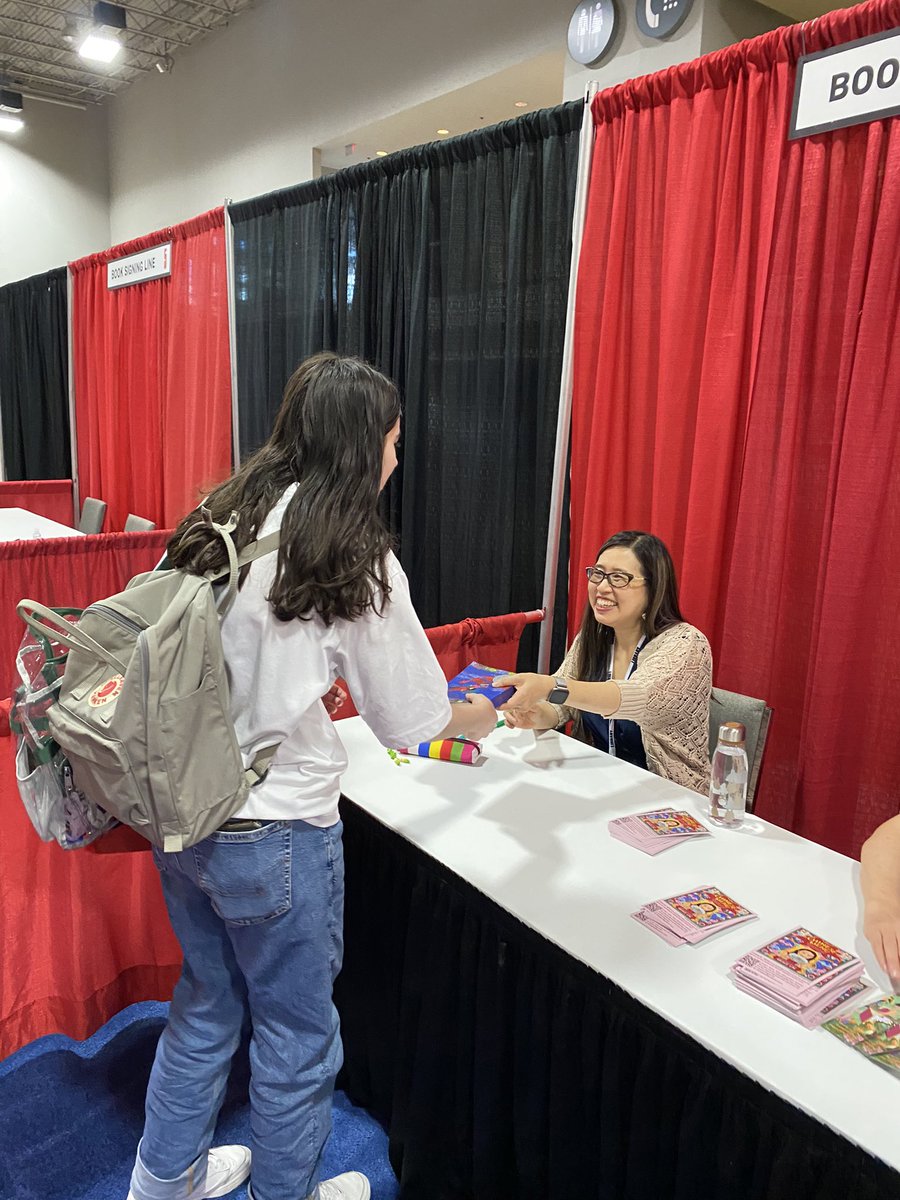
{"points": [[591, 30], [659, 18]]}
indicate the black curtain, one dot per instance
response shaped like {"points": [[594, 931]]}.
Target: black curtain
{"points": [[34, 377], [506, 1070], [447, 267]]}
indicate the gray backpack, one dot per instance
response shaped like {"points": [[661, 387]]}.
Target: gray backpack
{"points": [[142, 713]]}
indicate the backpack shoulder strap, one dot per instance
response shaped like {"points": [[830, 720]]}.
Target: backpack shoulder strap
{"points": [[262, 546], [47, 623]]}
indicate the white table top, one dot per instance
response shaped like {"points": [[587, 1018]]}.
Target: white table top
{"points": [[18, 524], [527, 826]]}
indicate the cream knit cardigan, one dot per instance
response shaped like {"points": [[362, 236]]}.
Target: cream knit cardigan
{"points": [[668, 697]]}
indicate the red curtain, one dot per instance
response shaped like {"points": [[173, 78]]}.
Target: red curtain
{"points": [[153, 376], [81, 936], [736, 392], [67, 572], [50, 498]]}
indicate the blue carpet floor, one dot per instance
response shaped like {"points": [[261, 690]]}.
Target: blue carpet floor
{"points": [[71, 1114]]}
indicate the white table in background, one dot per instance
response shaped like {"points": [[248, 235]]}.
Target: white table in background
{"points": [[18, 524], [527, 827]]}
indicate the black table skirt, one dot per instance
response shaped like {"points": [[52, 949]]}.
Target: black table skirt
{"points": [[504, 1069]]}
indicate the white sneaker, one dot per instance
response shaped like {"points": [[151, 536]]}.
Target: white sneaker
{"points": [[227, 1168], [349, 1186]]}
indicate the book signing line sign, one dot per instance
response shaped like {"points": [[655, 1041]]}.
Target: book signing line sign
{"points": [[138, 268]]}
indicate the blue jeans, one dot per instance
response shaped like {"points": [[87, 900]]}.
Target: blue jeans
{"points": [[259, 916]]}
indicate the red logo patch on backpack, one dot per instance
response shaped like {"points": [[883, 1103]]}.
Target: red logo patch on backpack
{"points": [[107, 691]]}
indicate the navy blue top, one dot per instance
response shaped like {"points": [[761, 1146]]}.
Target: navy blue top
{"points": [[629, 743]]}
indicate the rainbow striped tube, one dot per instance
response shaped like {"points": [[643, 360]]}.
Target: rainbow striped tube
{"points": [[447, 749]]}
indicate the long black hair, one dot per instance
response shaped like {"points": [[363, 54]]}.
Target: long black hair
{"points": [[328, 439], [596, 640]]}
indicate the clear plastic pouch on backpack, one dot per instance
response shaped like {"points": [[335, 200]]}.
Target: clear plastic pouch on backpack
{"points": [[56, 807]]}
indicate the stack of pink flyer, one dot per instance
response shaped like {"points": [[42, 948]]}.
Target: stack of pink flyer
{"points": [[657, 830], [693, 916], [801, 975]]}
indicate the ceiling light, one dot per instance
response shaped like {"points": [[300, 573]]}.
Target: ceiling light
{"points": [[102, 41], [10, 102], [99, 47], [381, 153], [443, 132], [521, 104], [9, 123], [164, 64]]}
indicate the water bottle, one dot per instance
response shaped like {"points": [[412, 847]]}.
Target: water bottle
{"points": [[728, 783]]}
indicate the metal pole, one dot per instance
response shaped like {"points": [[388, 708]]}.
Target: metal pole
{"points": [[73, 438], [232, 336], [2, 461], [564, 418]]}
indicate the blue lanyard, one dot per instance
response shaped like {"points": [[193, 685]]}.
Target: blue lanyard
{"points": [[631, 669]]}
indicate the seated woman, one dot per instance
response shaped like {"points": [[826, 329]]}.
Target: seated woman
{"points": [[880, 881], [636, 680]]}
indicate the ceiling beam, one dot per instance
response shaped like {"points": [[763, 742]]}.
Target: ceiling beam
{"points": [[85, 70], [226, 12], [12, 76], [63, 46], [155, 16], [10, 57], [63, 12]]}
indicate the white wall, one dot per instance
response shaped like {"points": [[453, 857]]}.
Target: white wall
{"points": [[241, 113], [54, 189]]}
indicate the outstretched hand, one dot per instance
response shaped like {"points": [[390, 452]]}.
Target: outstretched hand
{"points": [[482, 719], [531, 689], [526, 718], [882, 927]]}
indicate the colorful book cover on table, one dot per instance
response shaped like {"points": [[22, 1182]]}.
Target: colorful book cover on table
{"points": [[478, 678], [670, 823], [806, 954], [874, 1029], [707, 906]]}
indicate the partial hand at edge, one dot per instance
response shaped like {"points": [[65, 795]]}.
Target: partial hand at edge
{"points": [[475, 718], [538, 717], [882, 928]]}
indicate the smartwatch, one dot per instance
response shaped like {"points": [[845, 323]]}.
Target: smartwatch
{"points": [[559, 693]]}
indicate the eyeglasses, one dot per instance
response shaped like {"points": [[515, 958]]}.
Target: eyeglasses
{"points": [[617, 579]]}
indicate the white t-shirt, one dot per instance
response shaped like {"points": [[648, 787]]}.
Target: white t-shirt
{"points": [[280, 670]]}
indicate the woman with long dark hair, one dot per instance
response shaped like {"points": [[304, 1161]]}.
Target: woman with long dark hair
{"points": [[636, 681], [258, 905]]}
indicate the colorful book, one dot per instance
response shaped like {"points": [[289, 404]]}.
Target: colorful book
{"points": [[873, 1030], [801, 975], [693, 916], [658, 830], [478, 678]]}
